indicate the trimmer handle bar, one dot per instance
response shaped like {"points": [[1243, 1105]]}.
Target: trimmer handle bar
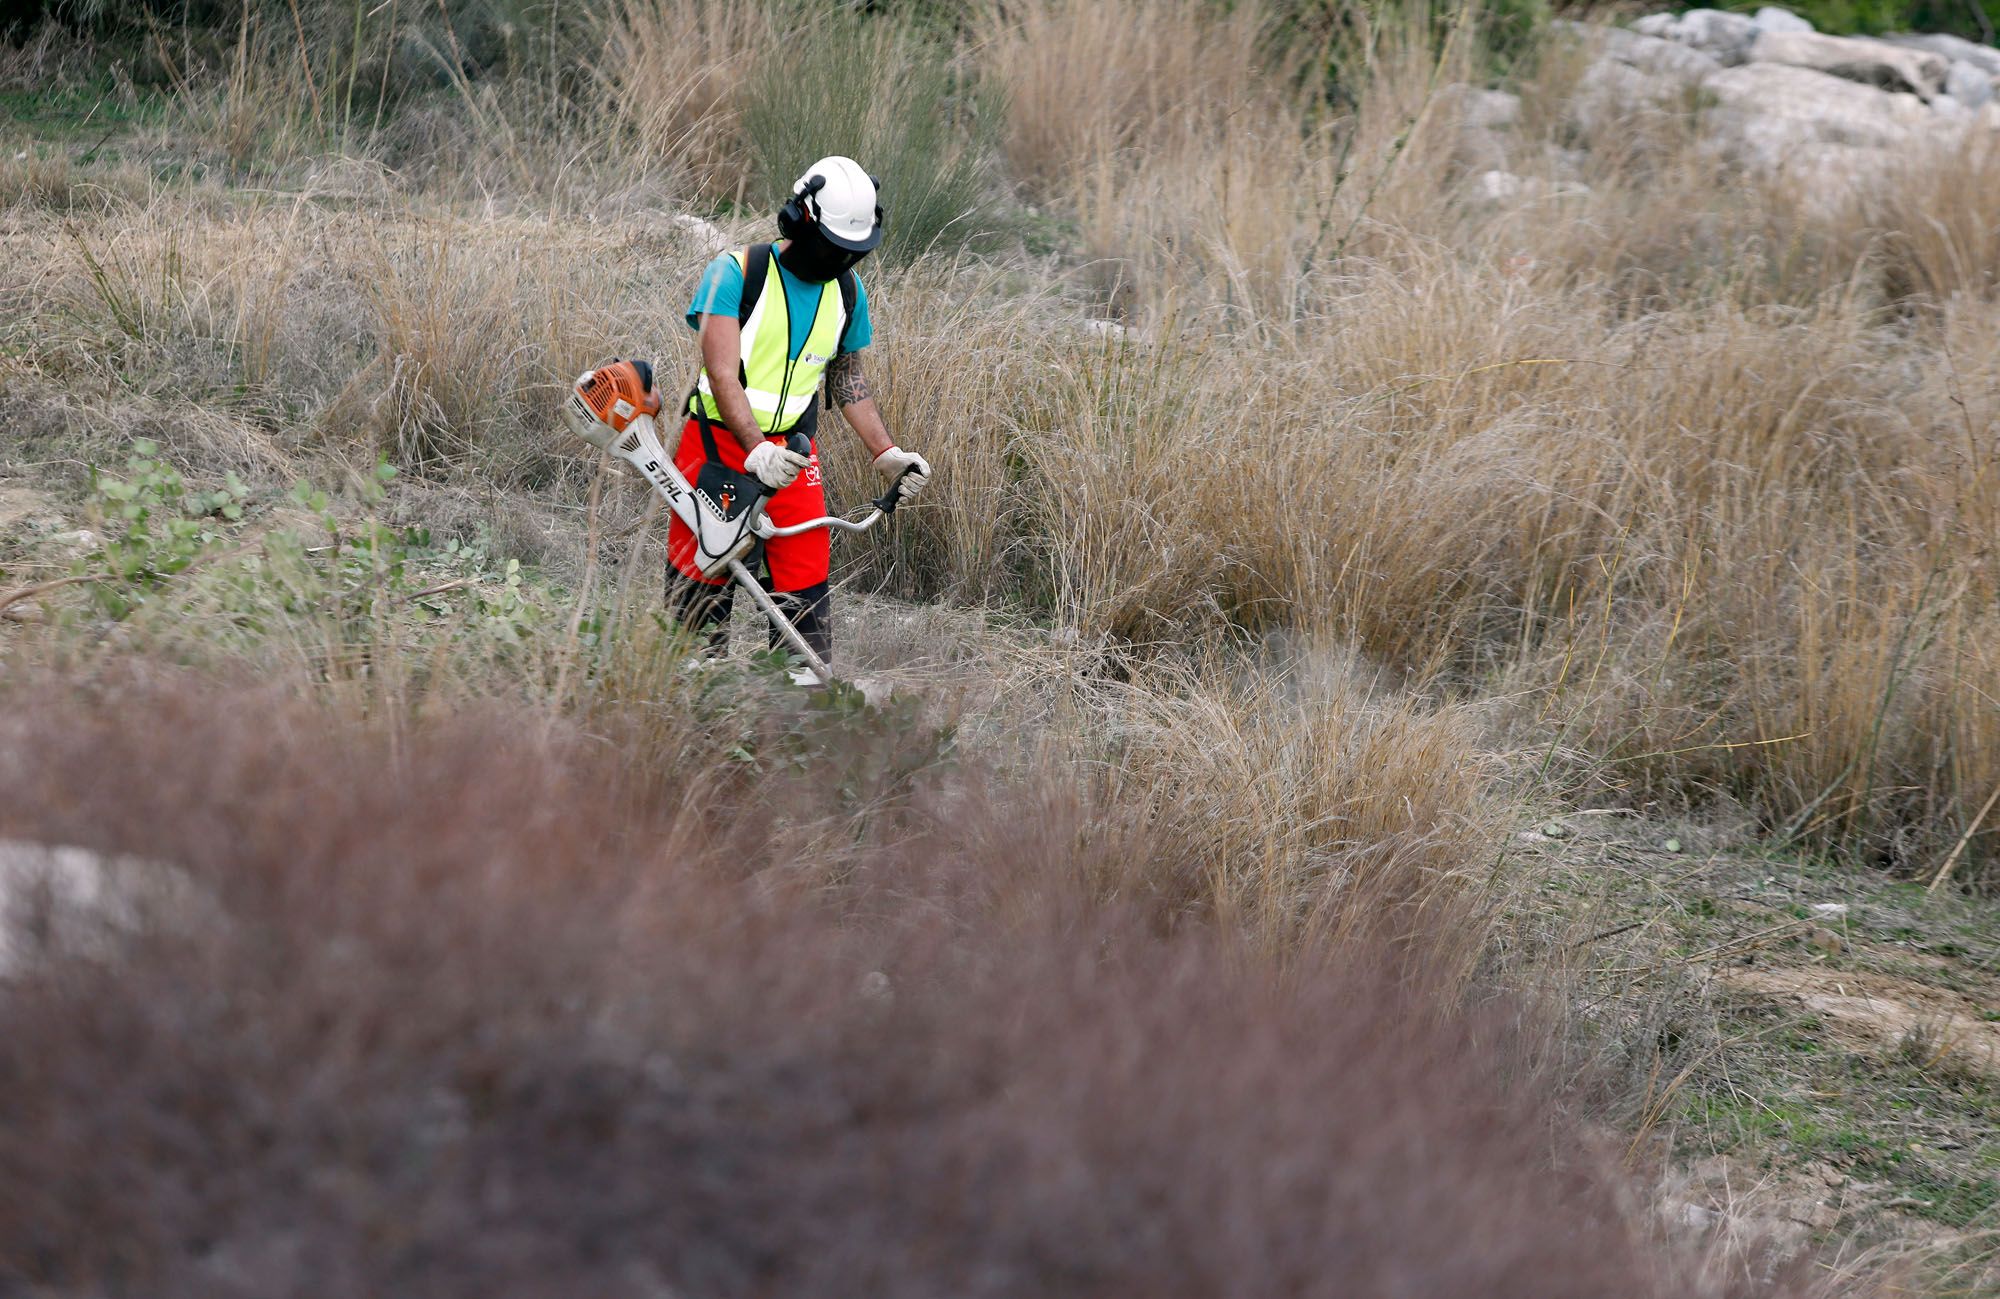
{"points": [[883, 506]]}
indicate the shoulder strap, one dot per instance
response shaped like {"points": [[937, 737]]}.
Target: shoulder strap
{"points": [[848, 292], [756, 267]]}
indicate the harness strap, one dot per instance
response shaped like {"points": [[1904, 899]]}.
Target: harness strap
{"points": [[702, 422], [756, 269]]}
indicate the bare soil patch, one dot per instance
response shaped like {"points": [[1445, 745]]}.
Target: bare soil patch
{"points": [[23, 510], [1930, 1024]]}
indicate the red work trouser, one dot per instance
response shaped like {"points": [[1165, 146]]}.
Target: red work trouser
{"points": [[795, 562]]}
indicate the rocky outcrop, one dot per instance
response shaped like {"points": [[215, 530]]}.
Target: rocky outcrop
{"points": [[1482, 109], [1953, 48], [1771, 94], [1763, 92], [1658, 56], [1967, 84], [1690, 48], [1773, 106], [1773, 19], [1637, 74]]}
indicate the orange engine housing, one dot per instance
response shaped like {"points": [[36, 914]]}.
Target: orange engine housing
{"points": [[614, 394]]}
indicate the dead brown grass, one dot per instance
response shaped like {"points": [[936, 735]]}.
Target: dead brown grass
{"points": [[675, 72], [485, 1012], [1713, 476], [1731, 545], [1088, 82], [1935, 218]]}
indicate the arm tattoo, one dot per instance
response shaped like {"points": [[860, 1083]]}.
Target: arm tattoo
{"points": [[844, 381]]}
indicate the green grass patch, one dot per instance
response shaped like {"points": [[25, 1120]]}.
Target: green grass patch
{"points": [[81, 113], [1791, 1096]]}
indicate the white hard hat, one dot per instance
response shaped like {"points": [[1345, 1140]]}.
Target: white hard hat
{"points": [[841, 198]]}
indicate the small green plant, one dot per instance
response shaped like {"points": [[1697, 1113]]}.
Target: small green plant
{"points": [[358, 578], [153, 528], [1974, 19], [371, 571]]}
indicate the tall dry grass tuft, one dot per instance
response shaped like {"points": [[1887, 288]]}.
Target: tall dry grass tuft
{"points": [[1173, 135], [1312, 809], [970, 348], [1192, 148], [675, 73], [469, 1011], [1696, 531], [1935, 218], [1088, 81], [431, 341], [887, 94], [268, 109], [466, 358]]}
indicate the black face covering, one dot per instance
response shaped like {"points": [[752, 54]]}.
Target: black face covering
{"points": [[814, 259]]}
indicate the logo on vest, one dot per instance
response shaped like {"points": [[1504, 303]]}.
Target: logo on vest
{"points": [[814, 358]]}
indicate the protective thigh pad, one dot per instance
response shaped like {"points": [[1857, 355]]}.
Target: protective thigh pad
{"points": [[724, 502]]}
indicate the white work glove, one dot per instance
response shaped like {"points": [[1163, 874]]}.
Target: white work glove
{"points": [[891, 463], [775, 464]]}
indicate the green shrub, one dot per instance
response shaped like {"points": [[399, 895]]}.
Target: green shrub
{"points": [[1509, 29], [886, 95], [1975, 20], [156, 528], [348, 63]]}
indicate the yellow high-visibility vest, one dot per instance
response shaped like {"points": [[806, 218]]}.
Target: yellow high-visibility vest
{"points": [[781, 386]]}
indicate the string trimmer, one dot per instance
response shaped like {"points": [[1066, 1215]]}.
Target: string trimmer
{"points": [[612, 408]]}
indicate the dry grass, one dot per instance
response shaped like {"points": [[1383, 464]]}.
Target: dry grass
{"points": [[910, 1084], [1313, 810], [1389, 498], [1732, 546], [1088, 81], [1936, 219], [676, 72]]}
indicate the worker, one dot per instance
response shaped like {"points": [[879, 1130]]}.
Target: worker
{"points": [[772, 322]]}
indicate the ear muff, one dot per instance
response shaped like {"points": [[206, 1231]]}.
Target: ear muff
{"points": [[792, 217]]}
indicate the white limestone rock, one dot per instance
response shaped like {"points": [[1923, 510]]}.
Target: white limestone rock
{"points": [[73, 900], [1874, 63], [1498, 186], [1610, 91], [704, 235], [1653, 54], [1830, 174], [1479, 109], [1773, 19], [1967, 84], [1955, 48], [1505, 189], [1766, 112], [78, 543], [1480, 150], [1725, 35]]}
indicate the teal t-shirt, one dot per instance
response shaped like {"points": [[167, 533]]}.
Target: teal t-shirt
{"points": [[720, 293]]}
